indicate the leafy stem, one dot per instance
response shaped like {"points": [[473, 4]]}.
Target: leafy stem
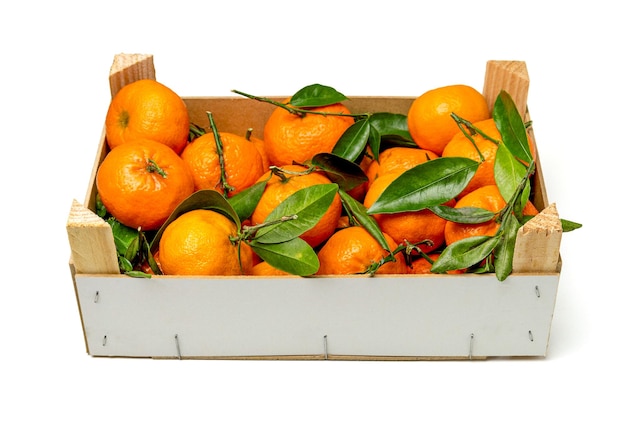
{"points": [[465, 125], [299, 111], [405, 247], [195, 131], [220, 154], [282, 172], [247, 232]]}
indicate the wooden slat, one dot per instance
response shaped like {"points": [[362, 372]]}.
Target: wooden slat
{"points": [[91, 242], [538, 243], [128, 68], [511, 76]]}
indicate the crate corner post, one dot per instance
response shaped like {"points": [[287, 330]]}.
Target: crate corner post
{"points": [[127, 68], [510, 76], [91, 242], [538, 243]]}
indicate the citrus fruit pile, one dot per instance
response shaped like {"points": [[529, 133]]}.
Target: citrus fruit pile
{"points": [[325, 191]]}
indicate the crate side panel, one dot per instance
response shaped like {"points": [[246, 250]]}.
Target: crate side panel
{"points": [[419, 316], [238, 114]]}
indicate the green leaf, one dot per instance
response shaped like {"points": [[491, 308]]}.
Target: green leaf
{"points": [[359, 212], [353, 141], [568, 225], [426, 185], [308, 204], [345, 173], [508, 172], [464, 215], [294, 256], [202, 199], [391, 127], [316, 95], [374, 141], [133, 249], [123, 236], [246, 201], [100, 208], [504, 250], [511, 127], [125, 264], [152, 262], [464, 253], [137, 274]]}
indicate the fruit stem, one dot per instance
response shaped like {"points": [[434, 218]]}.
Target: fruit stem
{"points": [[220, 154], [282, 173], [154, 167], [195, 131], [464, 125], [248, 231], [391, 257]]}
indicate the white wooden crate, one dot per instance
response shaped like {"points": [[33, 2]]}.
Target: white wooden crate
{"points": [[353, 317]]}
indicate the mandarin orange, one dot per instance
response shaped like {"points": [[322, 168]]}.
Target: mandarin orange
{"points": [[482, 150], [203, 242], [487, 197], [280, 187], [140, 183], [398, 159], [243, 164], [147, 109], [290, 137], [417, 227], [429, 117], [354, 250]]}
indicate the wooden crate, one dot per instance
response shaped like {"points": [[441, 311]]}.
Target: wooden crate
{"points": [[403, 317]]}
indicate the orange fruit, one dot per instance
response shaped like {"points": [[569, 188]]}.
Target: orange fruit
{"points": [[429, 120], [413, 226], [358, 192], [265, 269], [140, 183], [372, 172], [260, 146], [352, 250], [243, 164], [398, 159], [487, 197], [422, 266], [147, 109], [199, 242], [344, 221], [278, 189], [460, 146], [367, 159], [293, 138]]}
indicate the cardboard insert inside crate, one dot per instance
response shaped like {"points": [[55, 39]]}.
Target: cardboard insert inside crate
{"points": [[399, 317]]}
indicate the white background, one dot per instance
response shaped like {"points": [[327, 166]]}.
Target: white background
{"points": [[54, 94]]}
